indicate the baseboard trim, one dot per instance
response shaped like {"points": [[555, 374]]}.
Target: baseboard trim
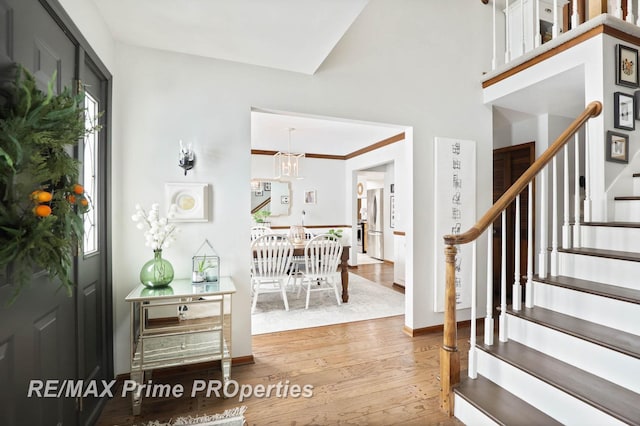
{"points": [[241, 360]]}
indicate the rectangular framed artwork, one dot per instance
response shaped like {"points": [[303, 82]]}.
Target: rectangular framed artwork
{"points": [[626, 66], [624, 115], [392, 211], [617, 147], [310, 196]]}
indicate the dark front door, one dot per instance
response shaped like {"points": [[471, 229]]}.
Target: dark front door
{"points": [[508, 164], [92, 267], [45, 334]]}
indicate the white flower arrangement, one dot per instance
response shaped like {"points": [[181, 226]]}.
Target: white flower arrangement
{"points": [[159, 233]]}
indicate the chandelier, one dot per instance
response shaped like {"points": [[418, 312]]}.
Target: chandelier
{"points": [[287, 164]]}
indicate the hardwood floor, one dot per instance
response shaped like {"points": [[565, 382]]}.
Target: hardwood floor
{"points": [[366, 372], [381, 273]]}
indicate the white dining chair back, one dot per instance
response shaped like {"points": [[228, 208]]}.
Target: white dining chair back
{"points": [[270, 267], [258, 231], [322, 255]]}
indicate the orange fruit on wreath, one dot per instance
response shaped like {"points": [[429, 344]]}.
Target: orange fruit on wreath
{"points": [[78, 189], [84, 202], [42, 211], [43, 197], [71, 198]]}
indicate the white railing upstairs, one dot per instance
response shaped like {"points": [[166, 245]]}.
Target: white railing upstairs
{"points": [[523, 25], [449, 356]]}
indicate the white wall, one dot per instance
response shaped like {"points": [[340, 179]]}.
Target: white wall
{"points": [[86, 16], [408, 74], [322, 175]]}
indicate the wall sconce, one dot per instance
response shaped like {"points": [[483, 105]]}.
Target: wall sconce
{"points": [[187, 158]]}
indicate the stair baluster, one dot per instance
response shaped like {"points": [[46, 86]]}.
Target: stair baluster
{"points": [[529, 287], [566, 227], [473, 358], [517, 289], [488, 320], [542, 256], [577, 199], [587, 176], [575, 19], [502, 335], [554, 219]]}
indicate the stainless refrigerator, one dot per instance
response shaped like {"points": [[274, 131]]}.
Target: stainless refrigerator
{"points": [[375, 223]]}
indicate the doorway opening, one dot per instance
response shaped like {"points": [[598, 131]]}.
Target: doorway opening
{"points": [[508, 164], [335, 151]]}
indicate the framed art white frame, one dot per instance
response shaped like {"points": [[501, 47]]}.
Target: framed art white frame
{"points": [[191, 200]]}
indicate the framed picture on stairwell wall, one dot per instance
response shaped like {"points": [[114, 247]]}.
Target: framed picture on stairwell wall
{"points": [[623, 107], [626, 66], [617, 147]]}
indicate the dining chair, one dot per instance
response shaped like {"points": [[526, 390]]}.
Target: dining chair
{"points": [[298, 261], [322, 256], [270, 267]]}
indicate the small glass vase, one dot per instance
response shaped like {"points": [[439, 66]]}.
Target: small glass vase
{"points": [[157, 272]]}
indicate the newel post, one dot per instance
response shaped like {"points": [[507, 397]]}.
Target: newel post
{"points": [[449, 355]]}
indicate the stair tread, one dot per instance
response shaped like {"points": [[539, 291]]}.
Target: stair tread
{"points": [[500, 405], [627, 198], [605, 290], [611, 254], [614, 224], [608, 397], [617, 340]]}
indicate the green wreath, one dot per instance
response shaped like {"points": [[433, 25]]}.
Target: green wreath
{"points": [[41, 209]]}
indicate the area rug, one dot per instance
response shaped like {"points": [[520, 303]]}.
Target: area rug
{"points": [[363, 259], [230, 417], [367, 300]]}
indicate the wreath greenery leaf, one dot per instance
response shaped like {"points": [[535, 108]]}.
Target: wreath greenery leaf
{"points": [[42, 206]]}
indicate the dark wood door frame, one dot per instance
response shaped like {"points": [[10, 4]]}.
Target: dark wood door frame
{"points": [[524, 155]]}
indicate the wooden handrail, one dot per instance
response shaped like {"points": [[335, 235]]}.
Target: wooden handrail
{"points": [[592, 110], [449, 355], [261, 205]]}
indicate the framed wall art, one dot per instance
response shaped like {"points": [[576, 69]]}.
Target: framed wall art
{"points": [[626, 66], [310, 196], [617, 146], [392, 211], [624, 111], [191, 200]]}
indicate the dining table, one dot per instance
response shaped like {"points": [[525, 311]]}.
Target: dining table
{"points": [[298, 250]]}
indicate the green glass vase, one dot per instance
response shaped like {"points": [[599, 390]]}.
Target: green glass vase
{"points": [[157, 272]]}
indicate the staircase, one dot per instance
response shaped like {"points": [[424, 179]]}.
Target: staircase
{"points": [[574, 357], [571, 353]]}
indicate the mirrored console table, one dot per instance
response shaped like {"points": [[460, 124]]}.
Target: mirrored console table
{"points": [[197, 328]]}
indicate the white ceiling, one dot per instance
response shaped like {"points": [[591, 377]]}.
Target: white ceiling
{"points": [[291, 35], [318, 135]]}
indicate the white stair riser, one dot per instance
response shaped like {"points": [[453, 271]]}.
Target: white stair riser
{"points": [[546, 398], [626, 211], [610, 365], [468, 414], [610, 238], [623, 273], [589, 307]]}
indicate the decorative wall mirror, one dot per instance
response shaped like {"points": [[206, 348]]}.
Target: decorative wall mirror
{"points": [[271, 196]]}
